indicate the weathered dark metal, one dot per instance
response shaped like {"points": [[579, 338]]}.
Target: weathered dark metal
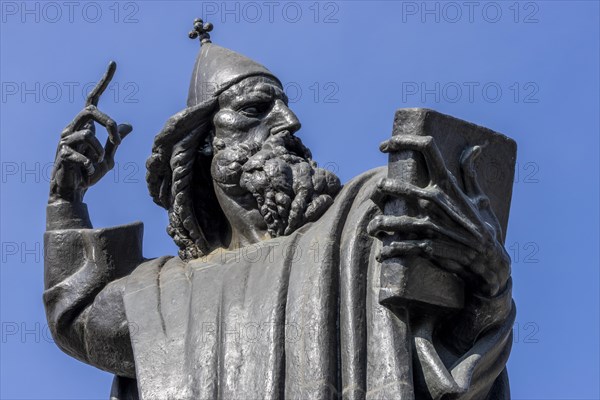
{"points": [[493, 162], [395, 285]]}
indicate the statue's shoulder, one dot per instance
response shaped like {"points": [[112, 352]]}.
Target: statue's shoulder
{"points": [[356, 194], [153, 272], [372, 174], [366, 181]]}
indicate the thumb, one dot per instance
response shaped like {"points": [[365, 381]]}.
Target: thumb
{"points": [[110, 148], [124, 130]]}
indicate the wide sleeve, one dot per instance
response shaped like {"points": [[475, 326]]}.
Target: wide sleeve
{"points": [[86, 271], [465, 358]]}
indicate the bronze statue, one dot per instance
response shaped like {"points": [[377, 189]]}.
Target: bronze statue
{"points": [[288, 284]]}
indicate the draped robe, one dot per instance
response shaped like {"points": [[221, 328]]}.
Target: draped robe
{"points": [[293, 317]]}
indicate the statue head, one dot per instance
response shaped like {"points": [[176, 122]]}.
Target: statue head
{"points": [[229, 168]]}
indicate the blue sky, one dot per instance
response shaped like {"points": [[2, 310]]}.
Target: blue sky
{"points": [[527, 69]]}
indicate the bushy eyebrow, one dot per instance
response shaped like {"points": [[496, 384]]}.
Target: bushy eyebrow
{"points": [[269, 89], [260, 91], [253, 96]]}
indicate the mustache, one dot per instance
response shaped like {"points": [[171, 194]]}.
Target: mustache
{"points": [[282, 144]]}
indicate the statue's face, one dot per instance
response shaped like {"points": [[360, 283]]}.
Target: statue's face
{"points": [[260, 168], [252, 111]]}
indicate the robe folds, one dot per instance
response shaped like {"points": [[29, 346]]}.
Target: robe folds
{"points": [[294, 317]]}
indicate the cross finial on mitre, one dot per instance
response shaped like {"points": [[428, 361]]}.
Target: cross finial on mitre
{"points": [[201, 30]]}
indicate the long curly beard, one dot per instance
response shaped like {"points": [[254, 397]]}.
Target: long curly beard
{"points": [[289, 188]]}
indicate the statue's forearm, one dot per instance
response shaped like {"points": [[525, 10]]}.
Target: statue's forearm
{"points": [[89, 322]]}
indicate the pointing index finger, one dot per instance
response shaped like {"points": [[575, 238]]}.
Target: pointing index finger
{"points": [[95, 94]]}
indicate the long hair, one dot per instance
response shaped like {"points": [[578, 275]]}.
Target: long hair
{"points": [[179, 180]]}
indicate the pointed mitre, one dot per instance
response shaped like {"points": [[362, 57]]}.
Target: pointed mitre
{"points": [[217, 69]]}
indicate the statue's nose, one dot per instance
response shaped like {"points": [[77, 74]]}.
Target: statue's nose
{"points": [[286, 119]]}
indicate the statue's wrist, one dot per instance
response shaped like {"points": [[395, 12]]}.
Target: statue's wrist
{"points": [[60, 193], [481, 312], [62, 214]]}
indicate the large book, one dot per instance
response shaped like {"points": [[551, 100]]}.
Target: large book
{"points": [[415, 280]]}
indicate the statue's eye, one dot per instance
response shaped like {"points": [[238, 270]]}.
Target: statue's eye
{"points": [[255, 109]]}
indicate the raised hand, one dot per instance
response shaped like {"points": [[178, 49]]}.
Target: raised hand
{"points": [[456, 229], [81, 160]]}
